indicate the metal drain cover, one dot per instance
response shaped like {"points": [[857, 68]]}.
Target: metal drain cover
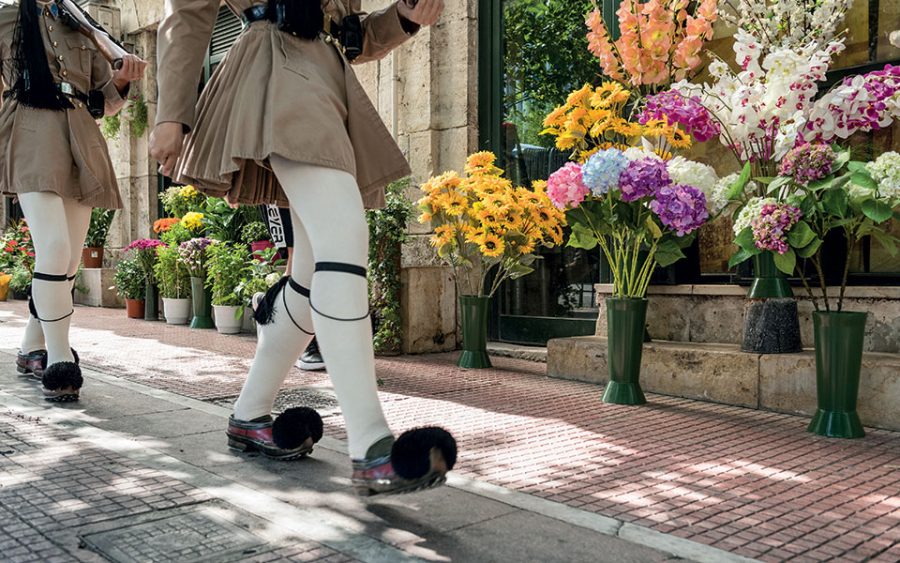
{"points": [[189, 536], [325, 402]]}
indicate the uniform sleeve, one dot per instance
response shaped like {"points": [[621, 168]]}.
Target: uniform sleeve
{"points": [[102, 79], [182, 41], [383, 31]]}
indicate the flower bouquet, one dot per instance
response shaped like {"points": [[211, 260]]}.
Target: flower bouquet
{"points": [[174, 284], [178, 201], [482, 225], [144, 253], [193, 255]]}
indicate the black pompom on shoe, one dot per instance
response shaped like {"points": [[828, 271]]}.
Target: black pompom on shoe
{"points": [[411, 455], [62, 382], [296, 425]]}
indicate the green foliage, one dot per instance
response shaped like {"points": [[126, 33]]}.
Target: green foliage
{"points": [[178, 201], [137, 115], [110, 126], [387, 232], [171, 274], [176, 235], [130, 279], [101, 219], [262, 273], [21, 279], [226, 270], [254, 231], [225, 223], [546, 57]]}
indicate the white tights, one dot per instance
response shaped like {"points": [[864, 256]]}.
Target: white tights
{"points": [[329, 226], [58, 229]]}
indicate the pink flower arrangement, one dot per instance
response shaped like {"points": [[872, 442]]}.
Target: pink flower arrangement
{"points": [[808, 162], [687, 112], [770, 229], [660, 40], [565, 187], [142, 244]]}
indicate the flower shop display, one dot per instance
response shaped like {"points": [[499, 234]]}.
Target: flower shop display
{"points": [[484, 225], [130, 283], [226, 269], [192, 254], [225, 223], [178, 201], [161, 226], [92, 255], [144, 251], [174, 285], [825, 190]]}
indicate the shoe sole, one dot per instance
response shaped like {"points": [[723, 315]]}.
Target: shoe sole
{"points": [[431, 482], [311, 366], [238, 445], [67, 398]]}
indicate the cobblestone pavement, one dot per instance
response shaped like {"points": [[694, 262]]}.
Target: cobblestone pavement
{"points": [[750, 482]]}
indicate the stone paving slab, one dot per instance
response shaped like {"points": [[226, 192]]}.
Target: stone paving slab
{"points": [[749, 482]]}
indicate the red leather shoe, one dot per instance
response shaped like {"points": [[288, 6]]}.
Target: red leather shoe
{"points": [[418, 460], [290, 436], [32, 363]]}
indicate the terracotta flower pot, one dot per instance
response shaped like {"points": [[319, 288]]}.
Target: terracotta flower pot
{"points": [[92, 257], [134, 308]]}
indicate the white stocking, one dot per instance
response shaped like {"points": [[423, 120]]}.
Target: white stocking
{"points": [[58, 227], [283, 339]]}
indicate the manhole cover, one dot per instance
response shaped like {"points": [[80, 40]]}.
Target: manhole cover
{"points": [[191, 536], [323, 401]]}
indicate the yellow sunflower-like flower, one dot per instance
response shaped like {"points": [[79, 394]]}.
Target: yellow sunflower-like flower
{"points": [[489, 217], [526, 247], [627, 128], [656, 127], [188, 192], [456, 205], [678, 138], [491, 245], [580, 97], [556, 117], [192, 220], [512, 220], [542, 218], [609, 94], [425, 217], [539, 186], [443, 234]]}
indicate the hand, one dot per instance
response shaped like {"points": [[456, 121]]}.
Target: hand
{"points": [[425, 12], [132, 69], [166, 143]]}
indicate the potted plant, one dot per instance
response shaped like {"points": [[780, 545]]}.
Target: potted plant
{"points": [[193, 255], [226, 270], [20, 281], [174, 285], [481, 223], [263, 271], [178, 201], [257, 236], [144, 251], [225, 223], [824, 190], [92, 255], [131, 286]]}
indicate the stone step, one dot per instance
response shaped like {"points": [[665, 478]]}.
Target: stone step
{"points": [[721, 373]]}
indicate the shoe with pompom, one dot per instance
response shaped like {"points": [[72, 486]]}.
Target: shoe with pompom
{"points": [[62, 382], [31, 363], [292, 435], [418, 460]]}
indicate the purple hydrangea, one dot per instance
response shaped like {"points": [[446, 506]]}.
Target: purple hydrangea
{"points": [[642, 178], [602, 171], [682, 208], [808, 162], [770, 229], [687, 112]]}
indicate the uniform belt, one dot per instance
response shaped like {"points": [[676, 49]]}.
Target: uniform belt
{"points": [[261, 12], [65, 88]]}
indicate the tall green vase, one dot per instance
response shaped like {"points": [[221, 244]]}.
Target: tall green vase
{"points": [[626, 318], [151, 301], [839, 349], [474, 317], [768, 281], [202, 305]]}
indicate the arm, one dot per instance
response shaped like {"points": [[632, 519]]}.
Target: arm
{"points": [[182, 40], [102, 79], [387, 29]]}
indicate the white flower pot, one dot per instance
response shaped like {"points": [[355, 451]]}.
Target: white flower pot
{"points": [[227, 321], [177, 311]]}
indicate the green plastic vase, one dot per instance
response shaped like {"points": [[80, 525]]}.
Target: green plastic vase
{"points": [[151, 302], [474, 317], [202, 305], [768, 281], [839, 348], [626, 319]]}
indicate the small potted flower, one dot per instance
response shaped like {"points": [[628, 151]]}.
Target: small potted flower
{"points": [[144, 251], [92, 255], [257, 236], [227, 267], [193, 255], [131, 285], [174, 285], [178, 201]]}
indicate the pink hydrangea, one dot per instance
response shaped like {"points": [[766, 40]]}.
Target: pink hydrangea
{"points": [[566, 188], [808, 162], [770, 229]]}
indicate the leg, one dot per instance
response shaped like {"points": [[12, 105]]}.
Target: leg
{"points": [[329, 205], [47, 217]]}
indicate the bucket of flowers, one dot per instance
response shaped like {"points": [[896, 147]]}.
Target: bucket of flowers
{"points": [[144, 252], [192, 254]]}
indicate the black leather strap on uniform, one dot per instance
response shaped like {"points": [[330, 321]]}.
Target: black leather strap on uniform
{"points": [[48, 278], [302, 291], [298, 288], [258, 13], [342, 268], [51, 277]]}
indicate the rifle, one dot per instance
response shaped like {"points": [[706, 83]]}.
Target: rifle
{"points": [[78, 20]]}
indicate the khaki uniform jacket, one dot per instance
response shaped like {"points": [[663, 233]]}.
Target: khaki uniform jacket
{"points": [[57, 151], [274, 94]]}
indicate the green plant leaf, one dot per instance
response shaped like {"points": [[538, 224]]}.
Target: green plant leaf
{"points": [[800, 235], [582, 237], [861, 178], [835, 202], [810, 249], [741, 256], [843, 158], [786, 262], [778, 183], [654, 229], [668, 252], [877, 211], [888, 242], [737, 188], [820, 185], [856, 166], [745, 240]]}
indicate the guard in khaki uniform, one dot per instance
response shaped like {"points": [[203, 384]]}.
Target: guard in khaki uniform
{"points": [[55, 161], [285, 121]]}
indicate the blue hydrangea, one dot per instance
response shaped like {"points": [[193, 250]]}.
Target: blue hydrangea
{"points": [[601, 172]]}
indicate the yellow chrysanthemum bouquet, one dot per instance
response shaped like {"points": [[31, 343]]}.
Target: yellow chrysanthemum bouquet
{"points": [[481, 221]]}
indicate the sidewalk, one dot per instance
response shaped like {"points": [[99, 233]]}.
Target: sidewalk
{"points": [[547, 471]]}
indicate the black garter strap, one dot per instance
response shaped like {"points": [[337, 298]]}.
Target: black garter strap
{"points": [[298, 288], [265, 310], [49, 278], [302, 291], [342, 268]]}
